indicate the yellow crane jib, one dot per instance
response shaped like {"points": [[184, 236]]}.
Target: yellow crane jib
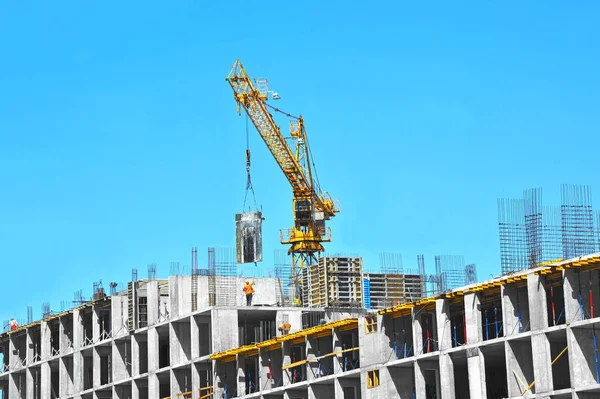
{"points": [[311, 206]]}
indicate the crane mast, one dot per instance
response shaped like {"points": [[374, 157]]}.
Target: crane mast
{"points": [[311, 207]]}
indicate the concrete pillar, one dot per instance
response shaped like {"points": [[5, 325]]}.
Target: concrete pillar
{"points": [[338, 362], [287, 360], [473, 318], [64, 378], [29, 347], [514, 305], [265, 377], [13, 354], [180, 294], [153, 298], [195, 381], [153, 386], [442, 313], [153, 349], [77, 372], [29, 377], [241, 375], [45, 381], [420, 386], [119, 315], [447, 377], [135, 356], [571, 289], [16, 383], [97, 366], [77, 335], [476, 369], [538, 306], [195, 338], [312, 367], [417, 332], [542, 368], [95, 324]]}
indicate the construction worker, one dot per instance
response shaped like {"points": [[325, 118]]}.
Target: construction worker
{"points": [[13, 324], [284, 328], [248, 290]]}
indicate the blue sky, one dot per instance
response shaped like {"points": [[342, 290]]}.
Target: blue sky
{"points": [[120, 144]]}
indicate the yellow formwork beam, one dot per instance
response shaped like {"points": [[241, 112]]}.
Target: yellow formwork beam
{"points": [[296, 337]]}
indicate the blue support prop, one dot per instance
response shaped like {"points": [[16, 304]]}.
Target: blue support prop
{"points": [[487, 334], [596, 356], [455, 341], [496, 320]]}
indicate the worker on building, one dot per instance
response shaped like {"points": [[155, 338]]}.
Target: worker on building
{"points": [[248, 290], [284, 328], [13, 324]]}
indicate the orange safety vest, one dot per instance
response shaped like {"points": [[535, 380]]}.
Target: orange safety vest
{"points": [[248, 289]]}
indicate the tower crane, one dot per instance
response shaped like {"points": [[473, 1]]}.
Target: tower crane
{"points": [[311, 207]]}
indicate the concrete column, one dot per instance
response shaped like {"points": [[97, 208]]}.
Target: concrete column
{"points": [[45, 381], [195, 338], [29, 347], [97, 367], [312, 367], [153, 386], [135, 391], [77, 336], [473, 318], [241, 375], [542, 368], [119, 315], [180, 294], [265, 378], [45, 345], [287, 360], [195, 381], [152, 301], [95, 324], [153, 349], [12, 353], [338, 362], [29, 376], [442, 314], [571, 289], [77, 372], [513, 306], [447, 377], [417, 333], [420, 386], [476, 370], [64, 382], [135, 356], [16, 383], [538, 306]]}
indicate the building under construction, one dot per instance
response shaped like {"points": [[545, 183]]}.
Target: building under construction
{"points": [[530, 333]]}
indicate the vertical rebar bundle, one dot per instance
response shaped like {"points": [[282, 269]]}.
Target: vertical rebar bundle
{"points": [[391, 263], [470, 274], [452, 270], [577, 217], [531, 233], [511, 224], [152, 271], [283, 274]]}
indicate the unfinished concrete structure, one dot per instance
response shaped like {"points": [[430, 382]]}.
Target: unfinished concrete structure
{"points": [[503, 338]]}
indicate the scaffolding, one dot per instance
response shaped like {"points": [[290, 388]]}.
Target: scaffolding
{"points": [[335, 281]]}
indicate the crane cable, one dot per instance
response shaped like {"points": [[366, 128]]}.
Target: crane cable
{"points": [[249, 181]]}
